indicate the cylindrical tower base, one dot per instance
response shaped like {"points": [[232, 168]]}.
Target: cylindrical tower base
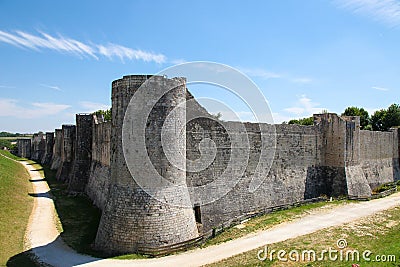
{"points": [[133, 220]]}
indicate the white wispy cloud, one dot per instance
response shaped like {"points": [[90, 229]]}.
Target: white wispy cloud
{"points": [[54, 87], [6, 86], [302, 80], [12, 108], [261, 73], [304, 107], [90, 107], [380, 88], [386, 11], [64, 44], [122, 52]]}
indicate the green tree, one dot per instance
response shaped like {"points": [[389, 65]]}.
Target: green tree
{"points": [[362, 113], [304, 121], [106, 114], [5, 143], [384, 119], [377, 120], [392, 116], [7, 134]]}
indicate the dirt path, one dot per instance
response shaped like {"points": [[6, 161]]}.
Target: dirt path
{"points": [[43, 237]]}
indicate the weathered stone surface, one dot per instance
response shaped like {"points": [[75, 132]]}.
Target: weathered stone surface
{"points": [[24, 148], [333, 157], [38, 147], [67, 153], [57, 148], [48, 154], [82, 153], [99, 178], [132, 218]]}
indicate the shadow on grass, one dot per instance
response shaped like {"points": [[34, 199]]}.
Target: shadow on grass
{"points": [[79, 217]]}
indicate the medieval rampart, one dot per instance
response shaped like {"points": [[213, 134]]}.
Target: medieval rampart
{"points": [[333, 157]]}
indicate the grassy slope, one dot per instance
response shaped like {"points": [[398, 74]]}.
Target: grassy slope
{"points": [[15, 206], [379, 233]]}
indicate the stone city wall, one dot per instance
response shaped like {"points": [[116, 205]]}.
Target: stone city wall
{"points": [[290, 163], [99, 178]]}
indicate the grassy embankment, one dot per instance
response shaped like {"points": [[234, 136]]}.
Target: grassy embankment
{"points": [[15, 208]]}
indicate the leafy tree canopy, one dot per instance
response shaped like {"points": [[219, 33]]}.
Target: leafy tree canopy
{"points": [[7, 134], [304, 121], [384, 119]]}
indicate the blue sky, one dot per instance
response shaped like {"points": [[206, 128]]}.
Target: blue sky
{"points": [[59, 58]]}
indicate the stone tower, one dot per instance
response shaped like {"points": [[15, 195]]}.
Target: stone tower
{"points": [[83, 153], [132, 220], [24, 148], [67, 152], [48, 155], [56, 160]]}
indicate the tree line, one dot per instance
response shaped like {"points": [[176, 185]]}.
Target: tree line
{"points": [[7, 134], [381, 120]]}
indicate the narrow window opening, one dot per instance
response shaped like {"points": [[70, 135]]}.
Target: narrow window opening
{"points": [[197, 213]]}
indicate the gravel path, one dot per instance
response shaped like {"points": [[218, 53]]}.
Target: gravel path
{"points": [[44, 239]]}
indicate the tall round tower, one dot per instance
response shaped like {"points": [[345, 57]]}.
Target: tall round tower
{"points": [[134, 220]]}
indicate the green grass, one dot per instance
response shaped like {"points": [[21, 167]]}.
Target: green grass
{"points": [[269, 220], [131, 257], [379, 233], [386, 186], [12, 156], [15, 208]]}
